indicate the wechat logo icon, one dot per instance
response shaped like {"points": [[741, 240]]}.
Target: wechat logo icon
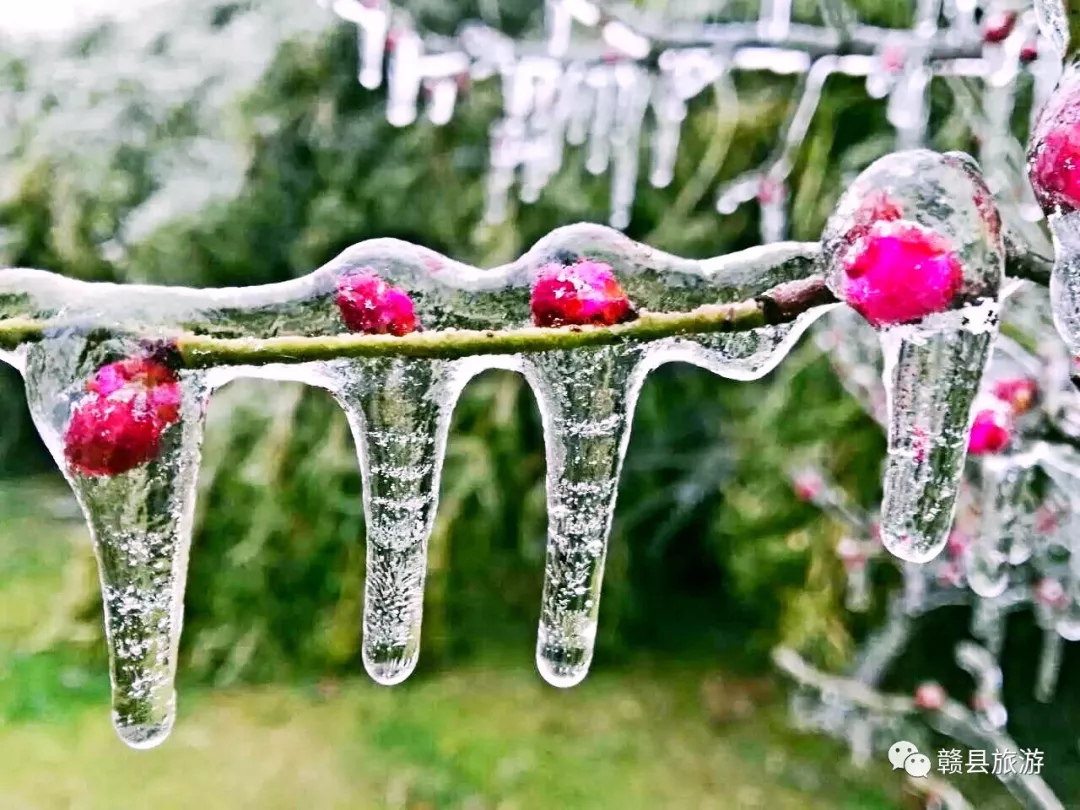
{"points": [[905, 755]]}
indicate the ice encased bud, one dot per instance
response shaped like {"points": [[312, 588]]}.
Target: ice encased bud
{"points": [[1054, 169], [915, 246]]}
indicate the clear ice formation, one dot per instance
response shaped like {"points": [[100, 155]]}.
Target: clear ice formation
{"points": [[108, 353], [915, 247], [591, 71], [1002, 538]]}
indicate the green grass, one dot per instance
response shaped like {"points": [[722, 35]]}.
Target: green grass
{"points": [[479, 736], [473, 738]]}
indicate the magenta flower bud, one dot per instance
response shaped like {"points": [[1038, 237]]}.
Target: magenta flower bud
{"points": [[371, 306], [582, 294]]}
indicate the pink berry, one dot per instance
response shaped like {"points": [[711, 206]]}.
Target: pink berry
{"points": [[894, 57], [851, 553], [1049, 592], [1054, 154], [371, 306], [586, 293], [808, 486], [930, 696], [990, 433], [998, 26], [770, 191], [1046, 520], [118, 424], [898, 272], [957, 544], [1020, 393]]}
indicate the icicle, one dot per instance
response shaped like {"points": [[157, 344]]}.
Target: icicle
{"points": [[505, 146], [669, 110], [854, 556], [404, 78], [774, 19], [915, 247], [633, 88], [1006, 488], [906, 109], [1049, 666], [399, 411], [373, 24], [1054, 24], [128, 441], [586, 398], [988, 623], [983, 666], [598, 151]]}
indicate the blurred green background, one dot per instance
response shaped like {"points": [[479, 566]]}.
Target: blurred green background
{"points": [[214, 143]]}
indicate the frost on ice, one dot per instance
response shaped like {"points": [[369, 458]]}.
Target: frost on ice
{"points": [[915, 247], [124, 418]]}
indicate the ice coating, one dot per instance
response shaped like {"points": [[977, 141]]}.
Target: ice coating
{"points": [[915, 247], [1054, 169], [1007, 482], [125, 342], [587, 400], [983, 666], [399, 412], [140, 523], [1053, 16]]}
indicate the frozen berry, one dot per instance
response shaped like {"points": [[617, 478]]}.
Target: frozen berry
{"points": [[1049, 592], [899, 271], [371, 306], [1020, 393], [1054, 155], [998, 26], [1029, 53], [118, 424], [586, 293], [930, 696], [990, 433], [851, 553], [808, 486]]}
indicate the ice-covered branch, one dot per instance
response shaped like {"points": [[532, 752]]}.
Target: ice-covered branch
{"points": [[780, 304], [948, 717]]}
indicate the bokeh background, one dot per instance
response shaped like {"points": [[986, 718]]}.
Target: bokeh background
{"points": [[203, 142]]}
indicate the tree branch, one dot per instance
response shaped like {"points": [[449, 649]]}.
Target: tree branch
{"points": [[783, 303]]}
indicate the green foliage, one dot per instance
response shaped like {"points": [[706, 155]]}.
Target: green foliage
{"points": [[710, 549]]}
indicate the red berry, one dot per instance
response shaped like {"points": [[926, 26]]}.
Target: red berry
{"points": [[990, 433], [998, 26], [900, 271], [851, 553], [957, 544], [930, 696], [586, 293], [808, 486], [1019, 393], [770, 191], [370, 305], [1030, 52], [1054, 154], [118, 424], [893, 57], [1049, 592]]}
